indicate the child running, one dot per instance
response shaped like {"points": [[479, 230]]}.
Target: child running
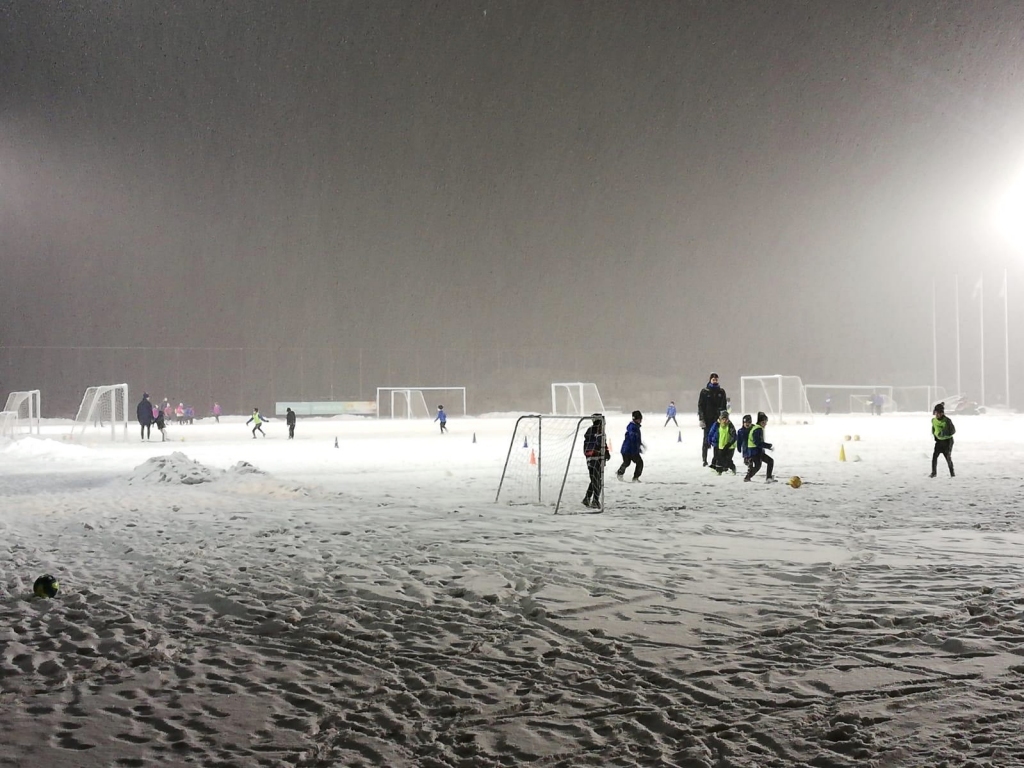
{"points": [[943, 431], [257, 421], [757, 446]]}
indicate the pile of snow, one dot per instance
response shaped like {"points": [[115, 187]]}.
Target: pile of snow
{"points": [[43, 448], [177, 468]]}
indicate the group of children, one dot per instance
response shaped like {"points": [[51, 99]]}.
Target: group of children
{"points": [[724, 439]]}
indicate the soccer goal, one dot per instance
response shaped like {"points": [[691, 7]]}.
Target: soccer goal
{"points": [[575, 398], [780, 397], [849, 398], [23, 408], [920, 399], [103, 407], [412, 402], [545, 462]]}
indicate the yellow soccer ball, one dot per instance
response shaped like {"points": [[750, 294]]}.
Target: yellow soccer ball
{"points": [[795, 481]]}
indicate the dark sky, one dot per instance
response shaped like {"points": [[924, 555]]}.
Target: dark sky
{"points": [[759, 186]]}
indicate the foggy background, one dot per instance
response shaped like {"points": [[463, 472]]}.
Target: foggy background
{"points": [[258, 201]]}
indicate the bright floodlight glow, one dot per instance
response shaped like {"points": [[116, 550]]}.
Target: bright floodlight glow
{"points": [[1010, 213]]}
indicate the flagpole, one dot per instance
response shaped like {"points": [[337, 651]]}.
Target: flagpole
{"points": [[956, 304], [1006, 334], [981, 317]]}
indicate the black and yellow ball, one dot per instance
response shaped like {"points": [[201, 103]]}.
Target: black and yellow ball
{"points": [[46, 586]]}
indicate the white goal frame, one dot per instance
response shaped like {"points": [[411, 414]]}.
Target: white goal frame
{"points": [[582, 398], [406, 394], [857, 394], [19, 402], [561, 470], [795, 404], [86, 415]]}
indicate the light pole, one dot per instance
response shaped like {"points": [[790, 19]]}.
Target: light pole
{"points": [[1010, 221]]}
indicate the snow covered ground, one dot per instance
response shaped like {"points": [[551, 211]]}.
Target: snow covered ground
{"points": [[236, 602]]}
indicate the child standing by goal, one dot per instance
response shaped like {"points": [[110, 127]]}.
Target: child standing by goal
{"points": [[442, 417]]}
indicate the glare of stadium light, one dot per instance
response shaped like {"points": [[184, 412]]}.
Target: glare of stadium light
{"points": [[1010, 214]]}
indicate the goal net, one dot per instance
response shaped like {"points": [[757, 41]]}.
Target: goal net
{"points": [[419, 402], [780, 397], [23, 410], [545, 463], [103, 408], [920, 399], [577, 398], [849, 398]]}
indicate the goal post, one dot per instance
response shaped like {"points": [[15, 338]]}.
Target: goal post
{"points": [[781, 397], [545, 461], [413, 402], [25, 413], [103, 406], [919, 399], [575, 398], [849, 398]]}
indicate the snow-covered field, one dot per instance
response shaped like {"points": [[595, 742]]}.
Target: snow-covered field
{"points": [[236, 602]]}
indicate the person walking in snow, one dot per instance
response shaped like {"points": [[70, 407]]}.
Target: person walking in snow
{"points": [[670, 413], [144, 413], [757, 446], [161, 424], [289, 419], [216, 412], [632, 446], [443, 418], [722, 437], [942, 431], [710, 404], [257, 421]]}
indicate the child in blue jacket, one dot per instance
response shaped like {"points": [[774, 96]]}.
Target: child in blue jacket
{"points": [[755, 440], [631, 448], [722, 439], [442, 417], [741, 438]]}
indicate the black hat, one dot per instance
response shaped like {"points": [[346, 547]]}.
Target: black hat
{"points": [[723, 413], [637, 415], [761, 416], [713, 375], [746, 417], [596, 417], [939, 407]]}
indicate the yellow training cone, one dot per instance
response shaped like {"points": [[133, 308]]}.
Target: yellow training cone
{"points": [[842, 453]]}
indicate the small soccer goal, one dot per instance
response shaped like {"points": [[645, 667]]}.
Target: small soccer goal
{"points": [[23, 414], [575, 398], [103, 408], [545, 463], [419, 402], [849, 398], [920, 399]]}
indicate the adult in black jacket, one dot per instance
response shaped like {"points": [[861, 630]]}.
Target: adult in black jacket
{"points": [[710, 404], [144, 413], [289, 419]]}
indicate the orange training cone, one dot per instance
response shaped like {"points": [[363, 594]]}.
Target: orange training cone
{"points": [[533, 457]]}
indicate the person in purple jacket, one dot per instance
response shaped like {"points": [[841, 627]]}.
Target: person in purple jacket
{"points": [[631, 449], [216, 412]]}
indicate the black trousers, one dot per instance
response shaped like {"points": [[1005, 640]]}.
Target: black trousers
{"points": [[704, 444], [260, 428], [672, 419], [943, 448], [291, 431], [444, 427], [755, 464], [596, 469], [145, 432], [723, 460], [631, 458]]}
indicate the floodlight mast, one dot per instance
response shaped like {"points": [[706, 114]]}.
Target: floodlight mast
{"points": [[1010, 222]]}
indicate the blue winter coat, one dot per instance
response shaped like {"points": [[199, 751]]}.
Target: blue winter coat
{"points": [[441, 416], [741, 440], [670, 411], [713, 435], [631, 445], [144, 412]]}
